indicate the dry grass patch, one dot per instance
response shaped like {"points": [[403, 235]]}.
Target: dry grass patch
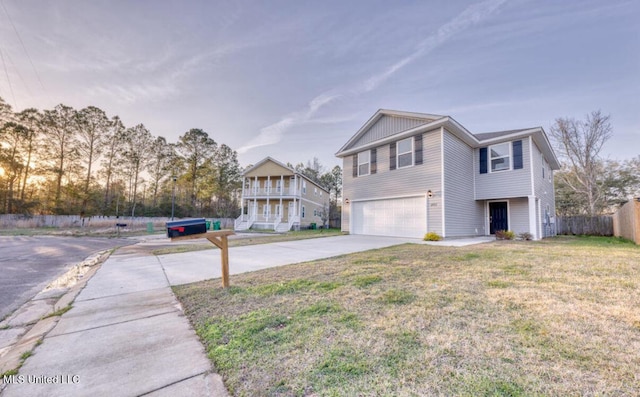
{"points": [[558, 317], [253, 238]]}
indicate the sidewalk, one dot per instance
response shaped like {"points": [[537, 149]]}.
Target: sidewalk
{"points": [[124, 336], [127, 336]]}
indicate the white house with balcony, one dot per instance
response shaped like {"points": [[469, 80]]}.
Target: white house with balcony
{"points": [[276, 197]]}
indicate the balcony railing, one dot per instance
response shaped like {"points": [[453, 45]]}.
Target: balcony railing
{"points": [[273, 191]]}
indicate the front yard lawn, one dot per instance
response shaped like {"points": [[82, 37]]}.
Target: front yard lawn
{"points": [[557, 317]]}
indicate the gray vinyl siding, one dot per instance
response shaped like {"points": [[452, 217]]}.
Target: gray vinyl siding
{"points": [[503, 184], [544, 191], [387, 126], [411, 181], [519, 215], [463, 214]]}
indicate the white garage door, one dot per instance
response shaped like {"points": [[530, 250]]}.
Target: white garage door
{"points": [[402, 217]]}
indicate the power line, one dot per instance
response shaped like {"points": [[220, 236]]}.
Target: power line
{"points": [[6, 72], [17, 71], [24, 48]]}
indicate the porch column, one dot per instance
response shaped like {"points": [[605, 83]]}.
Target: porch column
{"points": [[281, 185], [533, 225], [268, 191], [242, 198], [295, 194]]}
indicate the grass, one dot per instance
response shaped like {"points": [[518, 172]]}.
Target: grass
{"points": [[556, 317], [59, 312], [255, 238]]}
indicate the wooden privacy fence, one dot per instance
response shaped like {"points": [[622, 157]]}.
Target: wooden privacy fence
{"points": [[626, 221], [600, 225]]}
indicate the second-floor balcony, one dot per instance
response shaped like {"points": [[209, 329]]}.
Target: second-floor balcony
{"points": [[271, 192]]}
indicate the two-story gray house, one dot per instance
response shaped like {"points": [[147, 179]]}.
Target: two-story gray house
{"points": [[406, 174]]}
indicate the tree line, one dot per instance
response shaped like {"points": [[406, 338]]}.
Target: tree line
{"points": [[588, 183], [69, 161]]}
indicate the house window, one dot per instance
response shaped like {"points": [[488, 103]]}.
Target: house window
{"points": [[405, 153], [500, 157], [304, 187], [278, 211], [363, 163], [315, 191], [265, 211], [315, 212], [303, 211], [278, 186]]}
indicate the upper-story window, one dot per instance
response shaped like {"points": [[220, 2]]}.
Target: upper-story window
{"points": [[304, 187], [405, 153], [315, 191], [500, 157], [278, 186], [363, 163]]}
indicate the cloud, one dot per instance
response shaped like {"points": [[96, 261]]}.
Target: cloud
{"points": [[467, 18], [472, 15], [273, 133]]}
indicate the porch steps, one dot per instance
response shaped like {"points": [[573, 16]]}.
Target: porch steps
{"points": [[244, 225], [282, 227]]}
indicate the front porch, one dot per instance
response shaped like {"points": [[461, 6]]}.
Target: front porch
{"points": [[280, 215]]}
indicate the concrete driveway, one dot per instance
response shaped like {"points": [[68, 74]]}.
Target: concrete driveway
{"points": [[196, 266], [126, 334]]}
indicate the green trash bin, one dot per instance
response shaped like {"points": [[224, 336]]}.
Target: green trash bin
{"points": [[208, 224], [216, 225], [313, 226]]}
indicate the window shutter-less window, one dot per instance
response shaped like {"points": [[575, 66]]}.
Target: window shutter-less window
{"points": [[392, 156], [483, 160], [417, 147], [355, 165], [374, 158], [517, 155]]}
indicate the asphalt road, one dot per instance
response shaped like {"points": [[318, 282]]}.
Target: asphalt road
{"points": [[28, 264]]}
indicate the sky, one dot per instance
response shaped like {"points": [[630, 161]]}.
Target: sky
{"points": [[296, 79]]}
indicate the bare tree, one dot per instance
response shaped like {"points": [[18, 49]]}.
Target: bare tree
{"points": [[12, 136], [114, 141], [93, 126], [31, 119], [579, 144], [196, 148], [159, 166], [60, 129], [137, 153]]}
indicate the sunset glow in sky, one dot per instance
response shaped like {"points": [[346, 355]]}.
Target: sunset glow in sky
{"points": [[296, 79]]}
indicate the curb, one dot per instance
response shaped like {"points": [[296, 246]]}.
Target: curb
{"points": [[73, 281]]}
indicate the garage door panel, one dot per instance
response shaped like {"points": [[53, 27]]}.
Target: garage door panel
{"points": [[402, 217]]}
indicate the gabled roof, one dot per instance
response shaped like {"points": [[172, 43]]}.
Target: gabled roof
{"points": [[537, 134], [490, 135], [293, 172], [420, 119], [264, 160], [435, 121]]}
